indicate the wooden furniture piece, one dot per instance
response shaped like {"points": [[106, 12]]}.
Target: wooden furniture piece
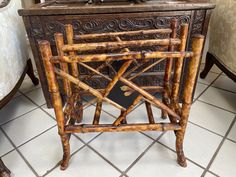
{"points": [[45, 19], [222, 47], [121, 90], [14, 53]]}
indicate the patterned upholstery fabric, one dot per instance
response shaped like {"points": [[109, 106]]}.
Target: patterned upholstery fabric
{"points": [[13, 47], [223, 33]]}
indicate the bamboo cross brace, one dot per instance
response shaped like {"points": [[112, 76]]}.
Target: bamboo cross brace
{"points": [[119, 56], [119, 45], [146, 69], [123, 127], [86, 87], [123, 33], [125, 113], [149, 97]]}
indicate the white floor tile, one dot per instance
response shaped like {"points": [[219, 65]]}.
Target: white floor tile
{"points": [[232, 133], [139, 115], [37, 96], [27, 86], [209, 175], [49, 110], [199, 144], [209, 78], [159, 161], [44, 152], [224, 163], [5, 144], [221, 98], [16, 165], [214, 69], [199, 89], [17, 94], [28, 126], [86, 163], [121, 148], [210, 117], [16, 107], [226, 83], [88, 116]]}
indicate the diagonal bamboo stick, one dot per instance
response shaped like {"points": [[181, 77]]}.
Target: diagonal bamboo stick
{"points": [[86, 88], [149, 97]]}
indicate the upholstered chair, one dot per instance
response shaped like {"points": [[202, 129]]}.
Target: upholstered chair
{"points": [[222, 45], [14, 56]]}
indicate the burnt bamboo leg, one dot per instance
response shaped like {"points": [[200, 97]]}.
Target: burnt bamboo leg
{"points": [[75, 73], [178, 69], [168, 70], [57, 101], [191, 76]]}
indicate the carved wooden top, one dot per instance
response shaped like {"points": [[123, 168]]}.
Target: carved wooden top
{"points": [[82, 7], [4, 3]]}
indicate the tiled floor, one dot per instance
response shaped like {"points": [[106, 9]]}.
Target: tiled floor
{"points": [[30, 145]]}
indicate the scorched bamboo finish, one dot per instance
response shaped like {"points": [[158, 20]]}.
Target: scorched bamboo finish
{"points": [[69, 57]]}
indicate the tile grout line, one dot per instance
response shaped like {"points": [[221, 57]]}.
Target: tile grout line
{"points": [[195, 163], [213, 173], [217, 107], [21, 155], [19, 115], [233, 141], [144, 152], [106, 112], [219, 147], [72, 154], [105, 159], [206, 88], [223, 89], [206, 129], [45, 131], [58, 163]]}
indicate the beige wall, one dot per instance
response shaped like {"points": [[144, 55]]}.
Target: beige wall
{"points": [[27, 3]]}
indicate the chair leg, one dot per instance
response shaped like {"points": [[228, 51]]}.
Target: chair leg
{"points": [[66, 151], [30, 73], [4, 171], [181, 159], [208, 66]]}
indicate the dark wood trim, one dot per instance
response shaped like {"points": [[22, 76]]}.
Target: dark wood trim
{"points": [[29, 70], [7, 98], [211, 59], [37, 1], [4, 171]]}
